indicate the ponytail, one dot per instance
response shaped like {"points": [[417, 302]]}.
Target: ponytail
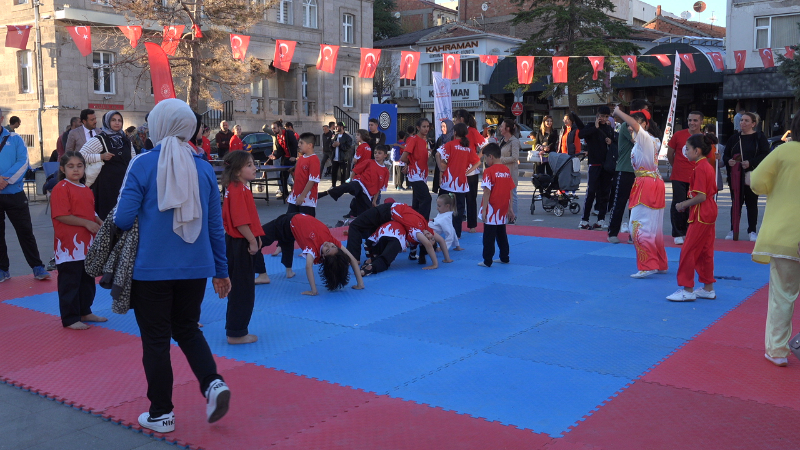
{"points": [[460, 130]]}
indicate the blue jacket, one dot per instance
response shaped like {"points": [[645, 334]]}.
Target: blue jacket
{"points": [[13, 162], [162, 254]]}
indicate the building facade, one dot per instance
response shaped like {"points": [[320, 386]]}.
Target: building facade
{"points": [[417, 15]]}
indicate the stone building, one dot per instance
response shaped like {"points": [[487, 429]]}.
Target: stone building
{"points": [[418, 15], [72, 82]]}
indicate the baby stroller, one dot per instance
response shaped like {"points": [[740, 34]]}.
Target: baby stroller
{"points": [[552, 188]]}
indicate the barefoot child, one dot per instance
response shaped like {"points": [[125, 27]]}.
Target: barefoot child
{"points": [[306, 178], [419, 233], [75, 224], [496, 210], [442, 224], [697, 252], [369, 179], [242, 231]]}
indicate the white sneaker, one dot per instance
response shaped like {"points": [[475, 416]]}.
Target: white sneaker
{"points": [[682, 295], [729, 236], [162, 424], [624, 228], [218, 398], [643, 273], [584, 225], [679, 240], [780, 362], [702, 293], [753, 236]]}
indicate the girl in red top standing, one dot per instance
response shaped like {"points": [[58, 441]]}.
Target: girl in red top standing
{"points": [[456, 159], [242, 231], [415, 155], [476, 141], [697, 252], [206, 144], [236, 140], [363, 151]]}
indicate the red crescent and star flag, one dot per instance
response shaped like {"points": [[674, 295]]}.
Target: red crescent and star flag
{"points": [[789, 52], [284, 52], [489, 60], [525, 69], [172, 37], [719, 63], [597, 63], [663, 59], [239, 44], [370, 57], [83, 38], [688, 59], [17, 36], [160, 72], [740, 56], [560, 69], [133, 33], [630, 60], [409, 63], [451, 66], [326, 61], [767, 58], [197, 32]]}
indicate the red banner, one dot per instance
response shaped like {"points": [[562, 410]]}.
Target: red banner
{"points": [[197, 32], [663, 59], [789, 52], [172, 37], [409, 63], [160, 72], [719, 63], [239, 44], [82, 37], [767, 58], [132, 33], [688, 59], [17, 36], [326, 61], [370, 57], [284, 52], [740, 56], [451, 67], [489, 60], [630, 60], [598, 63], [560, 64], [525, 69]]}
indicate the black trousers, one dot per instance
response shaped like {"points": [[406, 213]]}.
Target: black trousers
{"points": [[284, 176], [383, 253], [76, 291], [461, 209], [15, 206], [680, 220], [472, 200], [242, 297], [421, 198], [749, 198], [544, 167], [436, 176], [339, 171], [325, 157], [308, 210], [170, 309], [361, 201], [622, 193], [279, 230], [492, 234], [364, 225], [599, 188]]}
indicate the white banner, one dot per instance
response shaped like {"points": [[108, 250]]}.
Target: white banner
{"points": [[442, 102], [662, 154]]}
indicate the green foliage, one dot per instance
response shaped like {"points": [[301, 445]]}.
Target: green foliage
{"points": [[384, 24], [790, 68]]}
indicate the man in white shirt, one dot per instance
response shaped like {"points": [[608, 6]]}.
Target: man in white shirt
{"points": [[80, 135]]}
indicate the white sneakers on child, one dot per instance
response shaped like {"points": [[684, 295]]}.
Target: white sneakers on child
{"points": [[161, 424], [218, 398], [729, 236], [624, 228], [702, 293], [780, 362], [643, 273], [682, 295], [753, 236], [679, 240]]}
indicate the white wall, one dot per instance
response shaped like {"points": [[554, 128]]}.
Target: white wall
{"points": [[741, 27]]}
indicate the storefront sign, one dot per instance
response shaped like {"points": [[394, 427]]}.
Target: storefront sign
{"points": [[106, 106], [455, 47], [458, 92]]}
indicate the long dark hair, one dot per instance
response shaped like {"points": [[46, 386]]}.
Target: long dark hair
{"points": [[234, 163], [62, 163], [467, 117], [649, 125], [419, 123], [702, 142], [334, 270], [460, 130], [511, 124]]}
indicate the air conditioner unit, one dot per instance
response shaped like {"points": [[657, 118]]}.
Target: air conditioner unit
{"points": [[405, 93]]}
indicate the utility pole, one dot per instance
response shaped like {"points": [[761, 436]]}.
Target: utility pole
{"points": [[40, 76]]}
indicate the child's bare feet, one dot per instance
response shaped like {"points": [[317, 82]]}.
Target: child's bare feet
{"points": [[93, 318], [289, 273], [248, 339], [262, 278], [473, 230], [458, 249], [277, 251], [78, 326]]}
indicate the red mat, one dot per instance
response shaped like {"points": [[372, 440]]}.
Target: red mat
{"points": [[26, 285]]}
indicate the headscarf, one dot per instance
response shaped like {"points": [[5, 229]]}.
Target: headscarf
{"points": [[116, 138], [172, 123], [447, 137], [194, 139]]}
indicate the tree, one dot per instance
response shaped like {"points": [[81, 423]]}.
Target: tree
{"points": [[790, 68], [386, 75], [204, 65], [384, 23], [576, 28]]}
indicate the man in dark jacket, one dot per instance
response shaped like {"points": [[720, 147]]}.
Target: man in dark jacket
{"points": [[327, 150], [598, 136], [284, 153], [223, 139], [342, 143]]}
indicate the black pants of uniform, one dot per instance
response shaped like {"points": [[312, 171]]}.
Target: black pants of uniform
{"points": [[15, 206], [599, 188], [308, 210], [339, 171], [76, 291], [279, 230], [436, 177], [364, 225], [361, 201], [492, 234], [472, 201], [461, 209], [749, 198], [679, 220], [383, 253], [622, 193], [242, 297], [170, 309], [421, 198]]}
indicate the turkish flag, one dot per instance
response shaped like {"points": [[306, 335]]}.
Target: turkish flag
{"points": [[284, 52], [525, 69], [663, 59], [133, 34], [198, 34], [688, 59], [597, 62], [630, 60], [17, 36], [160, 72], [326, 61], [719, 63], [172, 37], [789, 52], [370, 58], [560, 69], [409, 63], [767, 58], [489, 60], [239, 43], [740, 56], [82, 37], [451, 66]]}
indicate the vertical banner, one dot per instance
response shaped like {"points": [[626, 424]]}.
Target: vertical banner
{"points": [[442, 102], [160, 72], [662, 153], [386, 113]]}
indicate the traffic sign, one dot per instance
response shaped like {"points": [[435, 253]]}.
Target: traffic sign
{"points": [[516, 109]]}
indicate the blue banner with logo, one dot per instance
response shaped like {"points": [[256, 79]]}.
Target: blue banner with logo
{"points": [[386, 114]]}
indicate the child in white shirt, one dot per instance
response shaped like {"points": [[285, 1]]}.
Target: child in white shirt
{"points": [[442, 224]]}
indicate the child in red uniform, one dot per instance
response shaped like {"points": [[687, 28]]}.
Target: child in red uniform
{"points": [[383, 247], [476, 142], [318, 246], [242, 231], [306, 178], [363, 151], [418, 232], [415, 155], [75, 224], [697, 253], [456, 159], [496, 208], [369, 179]]}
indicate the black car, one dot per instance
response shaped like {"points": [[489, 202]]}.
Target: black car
{"points": [[260, 144]]}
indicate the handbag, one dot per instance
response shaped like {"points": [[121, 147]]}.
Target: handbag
{"points": [[93, 169], [534, 156], [794, 345]]}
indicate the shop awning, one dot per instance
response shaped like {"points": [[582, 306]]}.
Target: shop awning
{"points": [[756, 83], [705, 74]]}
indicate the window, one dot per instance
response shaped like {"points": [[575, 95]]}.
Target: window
{"points": [[404, 82], [25, 72], [469, 70], [304, 84], [347, 91], [20, 2], [310, 13], [347, 28], [285, 12], [102, 73], [257, 88], [433, 67], [777, 31]]}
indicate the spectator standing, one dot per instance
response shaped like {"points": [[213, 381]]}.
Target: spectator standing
{"points": [[376, 136], [236, 140], [341, 144], [546, 142], [397, 153], [206, 143], [13, 123], [569, 141], [737, 119], [598, 136], [223, 139], [509, 155], [61, 143], [327, 150], [681, 174], [290, 127], [80, 135]]}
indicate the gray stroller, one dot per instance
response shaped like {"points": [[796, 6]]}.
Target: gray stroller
{"points": [[552, 189]]}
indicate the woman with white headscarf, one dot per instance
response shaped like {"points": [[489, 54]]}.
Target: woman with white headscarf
{"points": [[113, 147], [173, 193]]}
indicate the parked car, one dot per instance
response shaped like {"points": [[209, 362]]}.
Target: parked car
{"points": [[524, 132], [260, 144]]}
